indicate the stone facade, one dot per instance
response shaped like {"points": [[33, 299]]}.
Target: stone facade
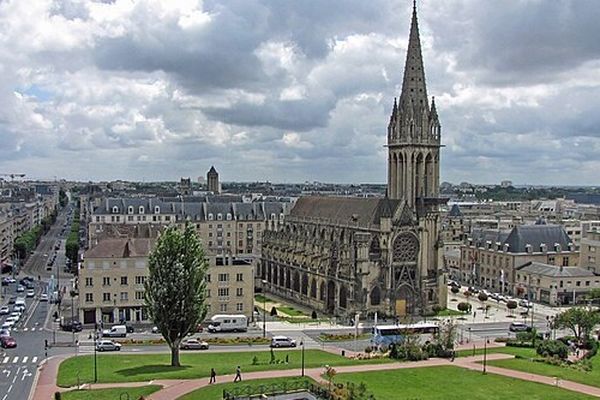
{"points": [[346, 255]]}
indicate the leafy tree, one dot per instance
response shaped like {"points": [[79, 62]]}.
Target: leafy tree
{"points": [[578, 320], [482, 296], [454, 289], [176, 285], [511, 305], [464, 307]]}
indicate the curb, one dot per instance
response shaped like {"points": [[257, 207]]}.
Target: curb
{"points": [[38, 371]]}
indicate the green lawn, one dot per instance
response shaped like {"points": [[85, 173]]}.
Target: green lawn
{"points": [[442, 383], [448, 313], [144, 367], [215, 392], [517, 351], [291, 311], [110, 394], [259, 298], [591, 378]]}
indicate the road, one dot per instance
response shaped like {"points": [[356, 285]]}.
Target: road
{"points": [[18, 366]]}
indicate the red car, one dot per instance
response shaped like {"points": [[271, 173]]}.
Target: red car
{"points": [[8, 342]]}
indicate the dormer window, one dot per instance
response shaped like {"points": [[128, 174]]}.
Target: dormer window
{"points": [[115, 210], [273, 216], [141, 210], [210, 217], [228, 216], [157, 210], [130, 210], [220, 216]]}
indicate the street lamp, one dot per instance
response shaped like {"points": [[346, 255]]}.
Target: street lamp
{"points": [[95, 362], [302, 344], [484, 353], [264, 285]]}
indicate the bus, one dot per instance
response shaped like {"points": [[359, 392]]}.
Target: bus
{"points": [[385, 335]]}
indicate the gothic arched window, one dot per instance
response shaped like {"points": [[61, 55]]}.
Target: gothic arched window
{"points": [[406, 248]]}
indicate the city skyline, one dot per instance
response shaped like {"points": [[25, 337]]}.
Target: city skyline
{"points": [[291, 92]]}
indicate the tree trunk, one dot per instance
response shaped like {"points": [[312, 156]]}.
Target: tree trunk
{"points": [[175, 354]]}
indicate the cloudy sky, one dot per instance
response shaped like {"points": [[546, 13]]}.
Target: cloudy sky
{"points": [[293, 90]]}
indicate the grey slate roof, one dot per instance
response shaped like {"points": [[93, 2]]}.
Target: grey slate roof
{"points": [[348, 210], [536, 235], [534, 267], [521, 236], [455, 211], [196, 210]]}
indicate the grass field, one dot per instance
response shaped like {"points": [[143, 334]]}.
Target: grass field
{"points": [[448, 313], [517, 351], [591, 378], [144, 367], [291, 311], [215, 392], [450, 383], [110, 394], [259, 298]]}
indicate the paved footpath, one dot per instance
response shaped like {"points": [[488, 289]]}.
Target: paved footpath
{"points": [[174, 388]]}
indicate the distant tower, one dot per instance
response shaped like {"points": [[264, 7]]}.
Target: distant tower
{"points": [[212, 178], [185, 186]]}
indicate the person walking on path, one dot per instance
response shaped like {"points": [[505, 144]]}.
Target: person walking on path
{"points": [[238, 374], [213, 376]]}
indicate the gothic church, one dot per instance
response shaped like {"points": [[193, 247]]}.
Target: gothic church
{"points": [[341, 256]]}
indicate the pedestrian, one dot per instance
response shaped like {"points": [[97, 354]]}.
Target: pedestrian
{"points": [[213, 376], [453, 355], [238, 374]]}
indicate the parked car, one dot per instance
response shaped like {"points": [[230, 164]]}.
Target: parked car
{"points": [[194, 344], [4, 310], [4, 332], [16, 315], [108, 345], [519, 327], [155, 329], [19, 308], [282, 341], [524, 303], [5, 282], [8, 342], [12, 299], [20, 288], [8, 324], [72, 326], [30, 293], [10, 279], [44, 297]]}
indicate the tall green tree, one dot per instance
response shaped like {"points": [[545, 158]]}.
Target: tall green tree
{"points": [[578, 320], [176, 286]]}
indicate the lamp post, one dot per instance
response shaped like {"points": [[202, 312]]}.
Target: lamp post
{"points": [[484, 353], [95, 362], [302, 344], [264, 285]]}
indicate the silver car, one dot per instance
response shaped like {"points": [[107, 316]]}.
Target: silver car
{"points": [[108, 345]]}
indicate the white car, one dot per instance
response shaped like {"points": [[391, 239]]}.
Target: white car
{"points": [[8, 324], [10, 280], [19, 308], [282, 341], [20, 288], [4, 310], [16, 315], [44, 297], [30, 293], [12, 318]]}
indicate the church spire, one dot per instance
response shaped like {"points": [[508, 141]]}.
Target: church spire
{"points": [[413, 85]]}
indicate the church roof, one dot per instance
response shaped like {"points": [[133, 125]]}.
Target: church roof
{"points": [[345, 210], [455, 211]]}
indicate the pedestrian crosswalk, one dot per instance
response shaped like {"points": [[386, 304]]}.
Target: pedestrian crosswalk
{"points": [[18, 360]]}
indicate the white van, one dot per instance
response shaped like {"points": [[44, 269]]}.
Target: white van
{"points": [[115, 331], [228, 323]]}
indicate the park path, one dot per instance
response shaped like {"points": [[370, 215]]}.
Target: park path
{"points": [[175, 388]]}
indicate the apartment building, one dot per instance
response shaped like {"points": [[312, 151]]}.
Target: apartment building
{"points": [[225, 227], [489, 259], [112, 276], [590, 251]]}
